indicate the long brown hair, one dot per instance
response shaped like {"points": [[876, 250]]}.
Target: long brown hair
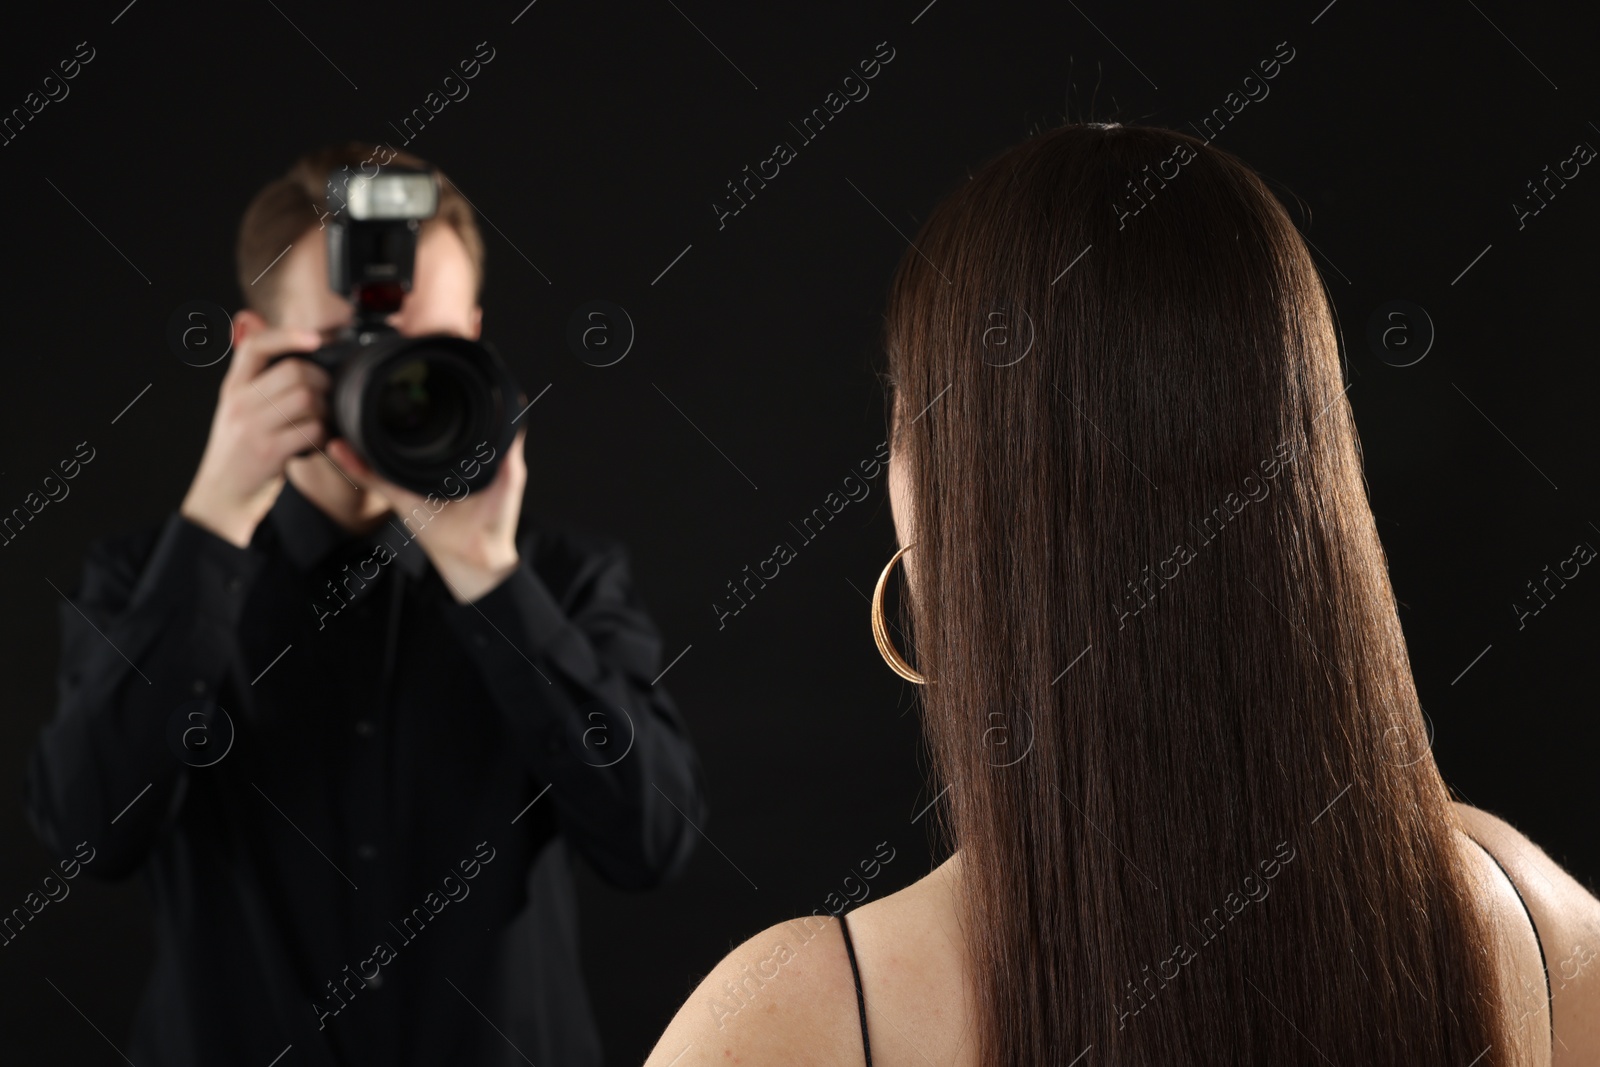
{"points": [[1170, 697]]}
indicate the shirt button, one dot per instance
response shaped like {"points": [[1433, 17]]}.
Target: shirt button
{"points": [[364, 727], [367, 852], [481, 640], [199, 686], [375, 981], [235, 584]]}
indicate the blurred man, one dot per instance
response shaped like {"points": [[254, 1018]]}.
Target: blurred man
{"points": [[362, 856]]}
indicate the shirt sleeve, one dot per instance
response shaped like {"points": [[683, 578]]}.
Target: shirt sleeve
{"points": [[576, 680], [146, 640]]}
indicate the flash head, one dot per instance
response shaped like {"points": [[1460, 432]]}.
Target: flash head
{"points": [[372, 236], [392, 194]]}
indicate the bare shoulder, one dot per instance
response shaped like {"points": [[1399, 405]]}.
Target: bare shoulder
{"points": [[1520, 966], [1567, 917], [916, 973], [787, 995], [783, 996]]}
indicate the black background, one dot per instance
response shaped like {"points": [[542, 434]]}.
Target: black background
{"points": [[594, 144]]}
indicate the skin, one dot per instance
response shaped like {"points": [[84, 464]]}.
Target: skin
{"points": [[900, 506], [1567, 917], [266, 415], [916, 974]]}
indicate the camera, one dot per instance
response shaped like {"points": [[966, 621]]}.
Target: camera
{"points": [[419, 410]]}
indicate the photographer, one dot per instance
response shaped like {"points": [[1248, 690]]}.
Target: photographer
{"points": [[346, 732]]}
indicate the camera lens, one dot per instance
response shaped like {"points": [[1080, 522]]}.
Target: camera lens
{"points": [[430, 414], [422, 408]]}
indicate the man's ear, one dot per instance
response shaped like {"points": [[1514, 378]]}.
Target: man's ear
{"points": [[247, 322], [477, 323]]}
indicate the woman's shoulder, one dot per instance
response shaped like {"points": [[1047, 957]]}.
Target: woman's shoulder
{"points": [[1567, 918], [788, 996], [784, 996]]}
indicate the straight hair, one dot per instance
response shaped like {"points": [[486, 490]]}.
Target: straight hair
{"points": [[1187, 770]]}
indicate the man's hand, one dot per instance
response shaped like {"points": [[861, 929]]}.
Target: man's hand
{"points": [[472, 541], [265, 415]]}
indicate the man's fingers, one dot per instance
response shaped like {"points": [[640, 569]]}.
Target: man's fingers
{"points": [[252, 355], [288, 373], [301, 436], [345, 458], [292, 405], [288, 392], [516, 462]]}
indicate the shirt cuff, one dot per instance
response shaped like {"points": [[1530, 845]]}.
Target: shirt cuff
{"points": [[192, 566], [517, 621]]}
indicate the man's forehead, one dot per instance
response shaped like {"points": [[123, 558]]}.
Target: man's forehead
{"points": [[305, 298]]}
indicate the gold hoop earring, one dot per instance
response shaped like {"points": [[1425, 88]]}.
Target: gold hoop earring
{"points": [[880, 628]]}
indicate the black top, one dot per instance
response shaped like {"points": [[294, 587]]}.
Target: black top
{"points": [[364, 860], [861, 1000]]}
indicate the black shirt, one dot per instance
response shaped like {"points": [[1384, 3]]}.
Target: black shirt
{"points": [[363, 856]]}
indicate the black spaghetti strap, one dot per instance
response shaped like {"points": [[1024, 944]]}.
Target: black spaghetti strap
{"points": [[861, 1000], [1549, 994]]}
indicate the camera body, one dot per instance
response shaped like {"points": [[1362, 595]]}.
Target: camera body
{"points": [[424, 412]]}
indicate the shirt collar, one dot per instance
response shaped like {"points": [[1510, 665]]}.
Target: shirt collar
{"points": [[309, 536]]}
